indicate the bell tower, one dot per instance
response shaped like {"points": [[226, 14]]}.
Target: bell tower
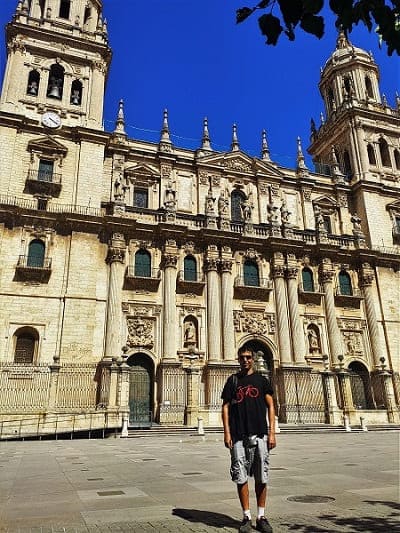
{"points": [[360, 130], [57, 64]]}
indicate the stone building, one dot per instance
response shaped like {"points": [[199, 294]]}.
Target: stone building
{"points": [[131, 272]]}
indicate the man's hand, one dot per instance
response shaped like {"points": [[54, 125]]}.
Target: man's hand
{"points": [[271, 441], [228, 440]]}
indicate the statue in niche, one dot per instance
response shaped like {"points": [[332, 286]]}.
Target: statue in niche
{"points": [[246, 210], [223, 204], [313, 340], [319, 219], [285, 214], [190, 335], [273, 217], [169, 197], [356, 221]]}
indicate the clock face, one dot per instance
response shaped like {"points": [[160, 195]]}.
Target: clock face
{"points": [[51, 120]]}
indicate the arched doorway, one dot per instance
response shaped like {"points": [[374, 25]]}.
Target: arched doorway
{"points": [[360, 384], [141, 387]]}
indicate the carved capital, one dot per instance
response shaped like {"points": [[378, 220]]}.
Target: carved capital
{"points": [[326, 276], [116, 249], [278, 271], [226, 265], [210, 264], [169, 260], [366, 275], [291, 272]]}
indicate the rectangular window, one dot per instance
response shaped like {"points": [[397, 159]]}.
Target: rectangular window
{"points": [[397, 224], [141, 198], [46, 168], [327, 223], [65, 6]]}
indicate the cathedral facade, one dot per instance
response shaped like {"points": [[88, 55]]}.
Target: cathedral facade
{"points": [[132, 272]]}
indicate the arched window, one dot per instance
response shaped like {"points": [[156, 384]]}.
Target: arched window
{"points": [[142, 264], [36, 252], [76, 93], [237, 198], [65, 7], [360, 384], [33, 83], [368, 87], [308, 280], [56, 82], [384, 151], [250, 274], [189, 268], [345, 284], [396, 154], [348, 171], [26, 340], [330, 99], [371, 154]]}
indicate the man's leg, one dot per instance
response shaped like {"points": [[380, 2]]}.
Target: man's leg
{"points": [[243, 492], [261, 494]]}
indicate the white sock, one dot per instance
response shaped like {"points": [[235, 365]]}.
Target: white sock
{"points": [[247, 514], [260, 512]]}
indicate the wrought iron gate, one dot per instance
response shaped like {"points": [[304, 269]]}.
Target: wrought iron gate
{"points": [[140, 393]]}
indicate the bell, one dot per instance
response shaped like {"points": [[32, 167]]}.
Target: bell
{"points": [[54, 92], [33, 88], [76, 98]]}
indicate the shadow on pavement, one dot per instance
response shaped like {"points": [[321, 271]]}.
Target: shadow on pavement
{"points": [[369, 524], [208, 518]]}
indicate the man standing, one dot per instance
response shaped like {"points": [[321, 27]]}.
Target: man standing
{"points": [[247, 402]]}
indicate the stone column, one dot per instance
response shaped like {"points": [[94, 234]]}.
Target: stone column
{"points": [[192, 391], [116, 260], [390, 400], [15, 69], [278, 273], [54, 373], [169, 263], [228, 330], [326, 278], [97, 94], [299, 349], [112, 395], [213, 308], [366, 277]]}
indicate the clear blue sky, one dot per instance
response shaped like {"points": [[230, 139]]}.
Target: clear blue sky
{"points": [[189, 56]]}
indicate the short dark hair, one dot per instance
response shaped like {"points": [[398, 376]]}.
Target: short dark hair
{"points": [[245, 348]]}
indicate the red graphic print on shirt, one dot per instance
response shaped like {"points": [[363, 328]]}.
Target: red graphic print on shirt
{"points": [[248, 390]]}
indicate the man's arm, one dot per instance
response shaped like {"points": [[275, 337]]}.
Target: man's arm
{"points": [[227, 430], [271, 441]]}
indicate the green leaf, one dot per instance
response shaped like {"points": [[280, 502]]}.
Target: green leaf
{"points": [[312, 6], [291, 10], [313, 24], [243, 13], [270, 26]]}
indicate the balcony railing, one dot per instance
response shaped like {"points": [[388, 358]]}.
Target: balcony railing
{"points": [[43, 182], [255, 289], [348, 300], [194, 282], [143, 280], [33, 268]]}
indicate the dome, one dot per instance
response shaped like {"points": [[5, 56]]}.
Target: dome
{"points": [[346, 52]]}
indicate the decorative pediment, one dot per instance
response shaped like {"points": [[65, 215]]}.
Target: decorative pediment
{"points": [[394, 206], [47, 144], [241, 163], [326, 202], [267, 169], [230, 161], [143, 170]]}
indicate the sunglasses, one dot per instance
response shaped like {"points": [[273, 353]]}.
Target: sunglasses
{"points": [[247, 357]]}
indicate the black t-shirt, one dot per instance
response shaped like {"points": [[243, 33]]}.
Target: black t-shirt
{"points": [[247, 410]]}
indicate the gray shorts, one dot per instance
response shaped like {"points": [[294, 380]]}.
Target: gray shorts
{"points": [[250, 461]]}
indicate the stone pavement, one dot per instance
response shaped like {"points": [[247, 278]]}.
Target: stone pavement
{"points": [[345, 482]]}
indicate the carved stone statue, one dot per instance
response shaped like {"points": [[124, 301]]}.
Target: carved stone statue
{"points": [[223, 204], [285, 214], [190, 336], [313, 340]]}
